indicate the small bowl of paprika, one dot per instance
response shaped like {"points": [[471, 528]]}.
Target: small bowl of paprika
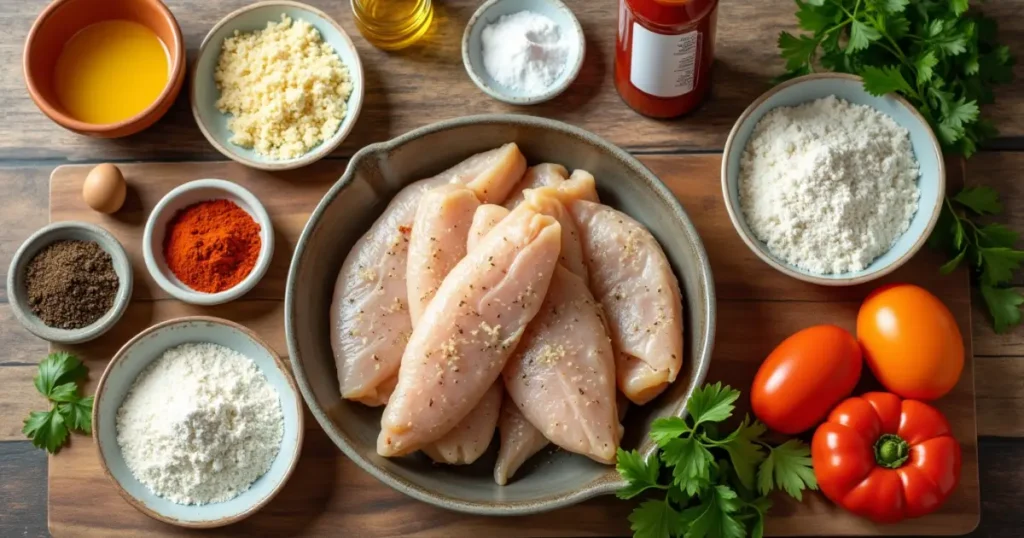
{"points": [[208, 242]]}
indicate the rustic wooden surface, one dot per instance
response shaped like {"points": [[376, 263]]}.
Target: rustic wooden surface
{"points": [[419, 86], [754, 314]]}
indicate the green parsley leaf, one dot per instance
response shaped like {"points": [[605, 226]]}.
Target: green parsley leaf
{"points": [[925, 64], [861, 35], [691, 463], [797, 51], [958, 6], [999, 264], [982, 200], [77, 414], [890, 6], [46, 429], [880, 81], [1004, 306], [655, 519], [997, 235], [57, 369], [744, 452], [641, 475], [814, 18], [65, 392], [787, 466], [713, 517], [712, 403], [953, 263], [665, 429]]}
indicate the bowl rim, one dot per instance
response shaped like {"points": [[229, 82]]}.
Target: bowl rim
{"points": [[551, 93], [154, 261], [278, 362], [96, 328], [600, 486], [175, 50], [737, 218], [326, 146]]}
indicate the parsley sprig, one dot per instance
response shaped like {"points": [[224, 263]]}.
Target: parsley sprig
{"points": [[714, 485], [944, 58], [57, 380]]}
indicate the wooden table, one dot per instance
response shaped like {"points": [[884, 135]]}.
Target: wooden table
{"points": [[426, 84]]}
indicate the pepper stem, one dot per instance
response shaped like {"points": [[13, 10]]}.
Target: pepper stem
{"points": [[891, 451]]}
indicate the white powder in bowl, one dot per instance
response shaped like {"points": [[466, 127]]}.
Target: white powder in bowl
{"points": [[200, 424], [525, 51], [828, 185]]}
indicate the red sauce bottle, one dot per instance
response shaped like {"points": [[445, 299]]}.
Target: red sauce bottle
{"points": [[663, 54]]}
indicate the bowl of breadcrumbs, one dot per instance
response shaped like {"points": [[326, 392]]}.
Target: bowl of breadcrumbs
{"points": [[277, 85]]}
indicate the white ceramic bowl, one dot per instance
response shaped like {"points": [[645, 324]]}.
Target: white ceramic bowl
{"points": [[204, 93], [932, 181], [191, 193], [491, 11], [139, 353]]}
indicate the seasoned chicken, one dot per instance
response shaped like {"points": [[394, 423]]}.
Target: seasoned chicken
{"points": [[541, 175], [631, 278], [485, 219], [562, 376], [519, 441], [546, 201], [370, 322], [438, 241], [469, 330], [471, 437]]}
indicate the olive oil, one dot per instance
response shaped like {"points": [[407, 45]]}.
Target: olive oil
{"points": [[393, 24]]}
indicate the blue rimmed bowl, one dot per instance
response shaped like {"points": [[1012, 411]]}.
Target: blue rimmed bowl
{"points": [[927, 151]]}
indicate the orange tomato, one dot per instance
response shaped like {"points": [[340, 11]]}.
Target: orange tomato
{"points": [[911, 341], [805, 377]]}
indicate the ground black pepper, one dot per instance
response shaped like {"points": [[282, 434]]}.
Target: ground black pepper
{"points": [[71, 284]]}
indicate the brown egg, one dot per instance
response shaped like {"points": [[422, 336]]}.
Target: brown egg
{"points": [[104, 188]]}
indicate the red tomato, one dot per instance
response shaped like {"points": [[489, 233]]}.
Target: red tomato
{"points": [[805, 377], [911, 341]]}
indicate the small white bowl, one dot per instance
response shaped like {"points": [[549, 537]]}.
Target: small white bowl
{"points": [[139, 353], [204, 93], [490, 12], [931, 182], [188, 194]]}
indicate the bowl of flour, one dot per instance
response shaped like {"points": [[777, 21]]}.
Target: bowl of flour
{"points": [[198, 422], [829, 184]]}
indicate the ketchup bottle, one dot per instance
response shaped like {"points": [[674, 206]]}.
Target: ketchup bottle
{"points": [[663, 54]]}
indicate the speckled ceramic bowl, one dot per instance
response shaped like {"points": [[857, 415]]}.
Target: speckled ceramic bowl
{"points": [[374, 175], [932, 182], [491, 11], [139, 353], [17, 294]]}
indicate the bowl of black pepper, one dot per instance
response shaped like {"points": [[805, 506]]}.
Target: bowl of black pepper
{"points": [[69, 282]]}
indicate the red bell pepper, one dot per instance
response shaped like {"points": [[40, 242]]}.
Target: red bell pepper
{"points": [[886, 459]]}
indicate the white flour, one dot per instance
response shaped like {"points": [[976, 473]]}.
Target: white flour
{"points": [[525, 51], [200, 424], [829, 186]]}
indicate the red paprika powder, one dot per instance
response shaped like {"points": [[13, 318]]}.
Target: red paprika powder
{"points": [[212, 246]]}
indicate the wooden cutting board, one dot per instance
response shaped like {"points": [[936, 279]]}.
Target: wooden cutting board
{"points": [[328, 494]]}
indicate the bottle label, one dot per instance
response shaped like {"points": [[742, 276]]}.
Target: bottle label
{"points": [[664, 65]]}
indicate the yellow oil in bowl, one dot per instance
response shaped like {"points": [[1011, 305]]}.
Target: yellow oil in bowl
{"points": [[111, 71], [393, 24]]}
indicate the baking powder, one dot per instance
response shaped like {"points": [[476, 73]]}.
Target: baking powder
{"points": [[525, 51]]}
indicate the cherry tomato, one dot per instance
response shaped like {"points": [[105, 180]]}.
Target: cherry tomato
{"points": [[805, 377], [911, 341]]}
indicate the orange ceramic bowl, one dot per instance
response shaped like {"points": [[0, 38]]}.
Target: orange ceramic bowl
{"points": [[63, 19]]}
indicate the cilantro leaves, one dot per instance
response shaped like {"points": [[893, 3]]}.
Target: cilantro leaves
{"points": [[57, 380], [710, 480], [944, 59]]}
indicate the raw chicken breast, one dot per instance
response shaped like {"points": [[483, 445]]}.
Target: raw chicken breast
{"points": [[563, 374], [541, 175], [485, 219], [469, 330], [438, 241], [519, 441], [471, 437], [369, 316], [631, 278], [546, 202]]}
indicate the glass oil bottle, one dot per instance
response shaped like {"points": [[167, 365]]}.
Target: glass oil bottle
{"points": [[393, 24]]}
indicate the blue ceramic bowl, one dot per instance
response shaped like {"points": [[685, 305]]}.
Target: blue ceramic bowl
{"points": [[491, 11], [133, 358], [932, 181], [204, 93]]}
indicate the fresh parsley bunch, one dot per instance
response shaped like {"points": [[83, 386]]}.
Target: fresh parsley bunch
{"points": [[714, 485], [57, 380], [944, 59]]}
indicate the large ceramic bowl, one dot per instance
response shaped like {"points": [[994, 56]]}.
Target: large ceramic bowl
{"points": [[373, 176], [932, 181]]}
